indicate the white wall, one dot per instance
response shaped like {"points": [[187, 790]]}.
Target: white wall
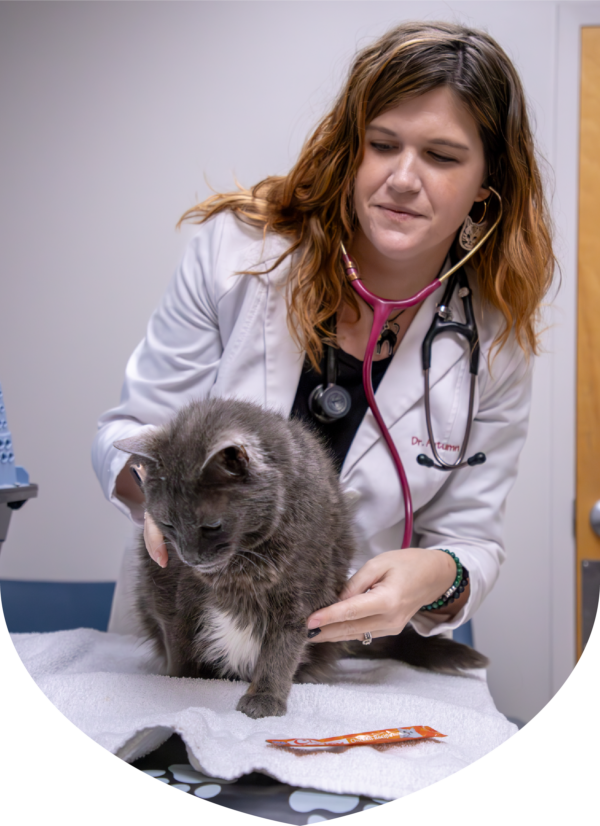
{"points": [[114, 117]]}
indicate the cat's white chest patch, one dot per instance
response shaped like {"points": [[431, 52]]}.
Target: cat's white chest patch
{"points": [[223, 643]]}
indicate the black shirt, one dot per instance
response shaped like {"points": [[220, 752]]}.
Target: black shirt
{"points": [[338, 435]]}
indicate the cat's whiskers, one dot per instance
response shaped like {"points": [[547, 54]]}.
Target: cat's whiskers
{"points": [[268, 561], [232, 569], [170, 542], [218, 577], [251, 562], [254, 553]]}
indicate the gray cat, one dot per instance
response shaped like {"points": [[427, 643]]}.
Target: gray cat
{"points": [[259, 536]]}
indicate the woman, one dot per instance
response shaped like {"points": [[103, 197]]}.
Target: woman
{"points": [[431, 122]]}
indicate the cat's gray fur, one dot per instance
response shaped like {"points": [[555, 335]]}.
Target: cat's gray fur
{"points": [[259, 536]]}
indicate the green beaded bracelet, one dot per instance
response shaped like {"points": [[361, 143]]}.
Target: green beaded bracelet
{"points": [[438, 603]]}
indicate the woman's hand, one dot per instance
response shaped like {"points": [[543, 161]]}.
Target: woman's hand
{"points": [[130, 492], [385, 593], [155, 541]]}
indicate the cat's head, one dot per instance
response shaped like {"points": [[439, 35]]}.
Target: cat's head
{"points": [[210, 483]]}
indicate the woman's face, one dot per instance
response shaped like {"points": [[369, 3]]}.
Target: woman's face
{"points": [[422, 170]]}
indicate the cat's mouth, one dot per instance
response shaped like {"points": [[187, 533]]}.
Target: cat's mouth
{"points": [[212, 566], [210, 560]]}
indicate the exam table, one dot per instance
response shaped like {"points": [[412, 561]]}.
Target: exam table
{"points": [[34, 607]]}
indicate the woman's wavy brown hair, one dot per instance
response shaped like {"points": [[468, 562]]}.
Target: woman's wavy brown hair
{"points": [[313, 203]]}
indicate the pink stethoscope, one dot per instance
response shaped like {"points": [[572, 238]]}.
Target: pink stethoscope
{"points": [[382, 308]]}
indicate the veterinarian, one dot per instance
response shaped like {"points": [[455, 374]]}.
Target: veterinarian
{"points": [[427, 147]]}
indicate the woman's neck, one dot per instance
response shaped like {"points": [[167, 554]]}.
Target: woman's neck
{"points": [[396, 279]]}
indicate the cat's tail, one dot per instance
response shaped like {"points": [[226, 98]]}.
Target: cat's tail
{"points": [[437, 653]]}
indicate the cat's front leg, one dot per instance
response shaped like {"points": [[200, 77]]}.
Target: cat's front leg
{"points": [[277, 663], [177, 648]]}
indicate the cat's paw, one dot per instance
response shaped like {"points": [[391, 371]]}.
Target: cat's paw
{"points": [[262, 705]]}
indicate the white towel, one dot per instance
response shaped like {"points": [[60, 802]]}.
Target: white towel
{"points": [[104, 685]]}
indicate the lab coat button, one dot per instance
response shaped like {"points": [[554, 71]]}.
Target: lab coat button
{"points": [[352, 495]]}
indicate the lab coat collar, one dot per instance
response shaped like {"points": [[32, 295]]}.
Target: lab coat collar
{"points": [[283, 357]]}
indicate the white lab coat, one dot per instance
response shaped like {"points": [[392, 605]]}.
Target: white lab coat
{"points": [[219, 333]]}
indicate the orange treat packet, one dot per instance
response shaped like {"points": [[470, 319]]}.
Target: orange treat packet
{"points": [[365, 738]]}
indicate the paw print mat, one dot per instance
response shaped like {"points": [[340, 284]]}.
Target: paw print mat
{"points": [[254, 794]]}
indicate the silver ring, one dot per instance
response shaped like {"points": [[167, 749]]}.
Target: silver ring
{"points": [[368, 638]]}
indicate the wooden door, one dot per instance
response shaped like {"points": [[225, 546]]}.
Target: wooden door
{"points": [[588, 343]]}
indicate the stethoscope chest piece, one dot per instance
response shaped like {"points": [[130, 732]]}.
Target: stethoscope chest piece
{"points": [[329, 402]]}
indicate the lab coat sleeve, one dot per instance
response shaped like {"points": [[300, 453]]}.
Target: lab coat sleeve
{"points": [[175, 362], [467, 514]]}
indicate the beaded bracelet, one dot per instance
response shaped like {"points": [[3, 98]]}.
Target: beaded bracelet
{"points": [[455, 590]]}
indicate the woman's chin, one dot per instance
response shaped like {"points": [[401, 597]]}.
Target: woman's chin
{"points": [[404, 244], [399, 246]]}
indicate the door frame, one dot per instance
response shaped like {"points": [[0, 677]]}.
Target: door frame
{"points": [[572, 17]]}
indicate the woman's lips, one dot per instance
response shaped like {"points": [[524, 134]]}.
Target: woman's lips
{"points": [[398, 214]]}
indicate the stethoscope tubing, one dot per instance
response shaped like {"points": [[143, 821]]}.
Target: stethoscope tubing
{"points": [[441, 463], [382, 307], [440, 325]]}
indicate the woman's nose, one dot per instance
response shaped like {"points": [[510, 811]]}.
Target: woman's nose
{"points": [[404, 176]]}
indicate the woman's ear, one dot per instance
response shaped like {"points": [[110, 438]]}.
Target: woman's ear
{"points": [[483, 193]]}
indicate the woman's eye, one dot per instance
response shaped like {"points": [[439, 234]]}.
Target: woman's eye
{"points": [[442, 158], [382, 147]]}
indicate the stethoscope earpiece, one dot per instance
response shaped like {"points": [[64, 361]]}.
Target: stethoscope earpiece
{"points": [[477, 459]]}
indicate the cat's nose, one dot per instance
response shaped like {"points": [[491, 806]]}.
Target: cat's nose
{"points": [[211, 528], [212, 537], [208, 549]]}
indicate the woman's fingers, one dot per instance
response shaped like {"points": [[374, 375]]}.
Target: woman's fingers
{"points": [[356, 600], [344, 631], [369, 602], [347, 611], [362, 580], [384, 594], [155, 541]]}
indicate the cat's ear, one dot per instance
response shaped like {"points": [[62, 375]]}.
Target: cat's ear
{"points": [[231, 460], [141, 445]]}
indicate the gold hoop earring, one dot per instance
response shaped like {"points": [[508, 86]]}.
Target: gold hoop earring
{"points": [[482, 219], [472, 231]]}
